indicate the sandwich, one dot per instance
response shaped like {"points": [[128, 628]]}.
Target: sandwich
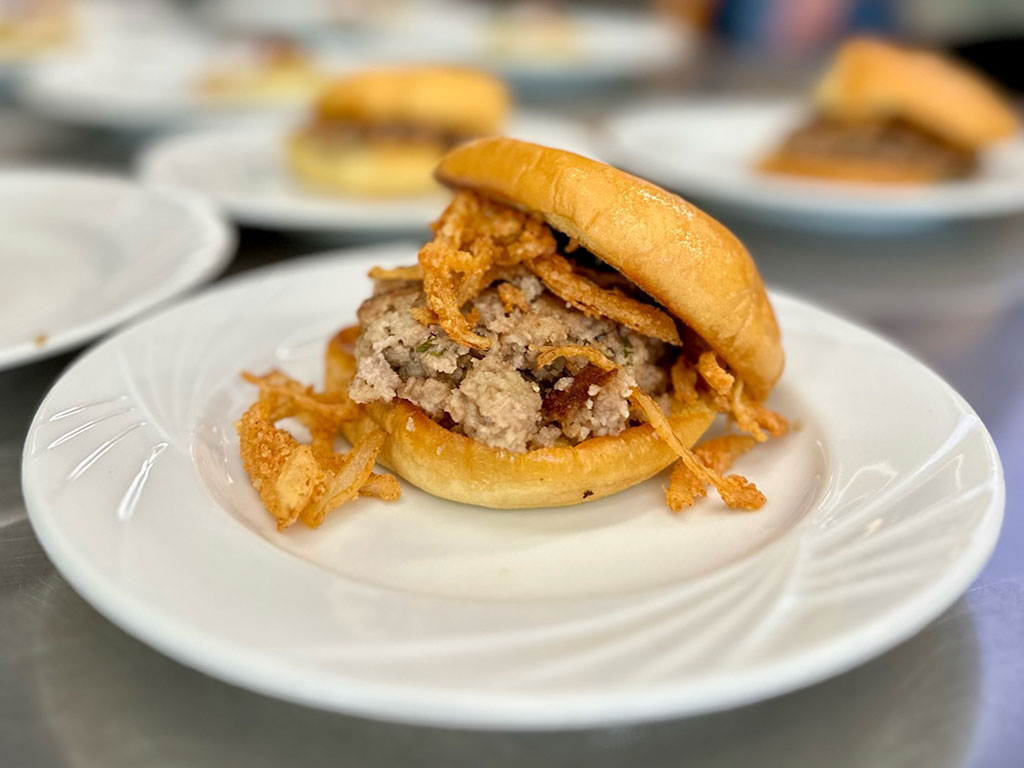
{"points": [[889, 114], [381, 132], [279, 73], [531, 32], [569, 331], [30, 29]]}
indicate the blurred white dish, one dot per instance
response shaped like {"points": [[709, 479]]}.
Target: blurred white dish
{"points": [[967, 269], [81, 253], [709, 149], [124, 86], [882, 508], [529, 43], [539, 48], [244, 171], [295, 17]]}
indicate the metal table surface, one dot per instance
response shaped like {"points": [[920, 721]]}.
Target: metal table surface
{"points": [[76, 691]]}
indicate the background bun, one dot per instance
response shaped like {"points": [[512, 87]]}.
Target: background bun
{"points": [[675, 252], [379, 169], [460, 101], [872, 79]]}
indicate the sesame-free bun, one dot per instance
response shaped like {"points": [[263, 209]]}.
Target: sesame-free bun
{"points": [[872, 79], [687, 261], [367, 168], [448, 99], [459, 468], [438, 104]]}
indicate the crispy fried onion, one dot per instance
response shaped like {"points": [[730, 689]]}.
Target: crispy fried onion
{"points": [[473, 239], [384, 487], [424, 316], [728, 397], [512, 298], [547, 355], [684, 487], [719, 379], [477, 240], [299, 481], [321, 413], [736, 491], [556, 272], [684, 381], [414, 272]]}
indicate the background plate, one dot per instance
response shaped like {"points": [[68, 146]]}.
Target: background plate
{"points": [[83, 252]]}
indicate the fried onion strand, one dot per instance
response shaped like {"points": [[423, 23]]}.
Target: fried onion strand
{"points": [[556, 272], [298, 481], [512, 298], [414, 272], [736, 491]]}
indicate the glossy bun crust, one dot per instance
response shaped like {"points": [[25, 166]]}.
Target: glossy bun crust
{"points": [[445, 99], [374, 169], [872, 79], [676, 253]]}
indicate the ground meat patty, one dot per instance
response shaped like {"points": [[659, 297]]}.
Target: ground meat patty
{"points": [[345, 132], [893, 141], [497, 396]]}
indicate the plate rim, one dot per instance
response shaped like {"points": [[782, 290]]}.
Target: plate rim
{"points": [[218, 658], [207, 261]]}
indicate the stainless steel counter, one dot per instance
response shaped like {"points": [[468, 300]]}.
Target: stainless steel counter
{"points": [[76, 691]]}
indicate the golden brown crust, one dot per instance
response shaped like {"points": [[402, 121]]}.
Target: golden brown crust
{"points": [[675, 252], [449, 99], [459, 468], [365, 168], [872, 79]]}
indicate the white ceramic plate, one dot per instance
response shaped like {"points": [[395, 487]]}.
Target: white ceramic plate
{"points": [[81, 253], [882, 508], [920, 277], [588, 46], [125, 87], [244, 171], [708, 149]]}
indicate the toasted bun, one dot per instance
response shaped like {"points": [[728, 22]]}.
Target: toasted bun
{"points": [[872, 79], [679, 255], [459, 468], [383, 169], [460, 101]]}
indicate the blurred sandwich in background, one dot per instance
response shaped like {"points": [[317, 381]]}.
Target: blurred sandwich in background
{"points": [[278, 72], [381, 132], [890, 114], [31, 28]]}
